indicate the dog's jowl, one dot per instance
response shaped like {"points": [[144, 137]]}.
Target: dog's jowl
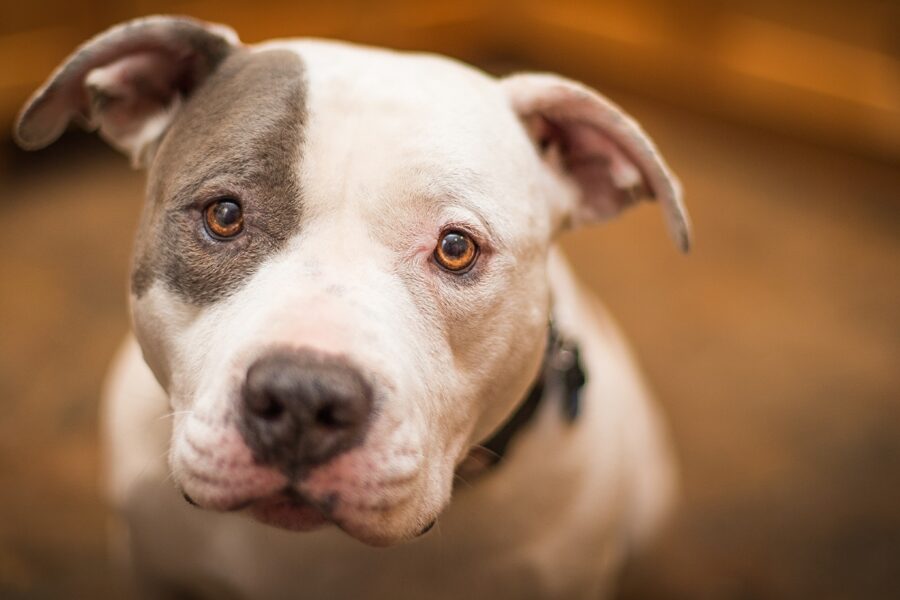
{"points": [[346, 293]]}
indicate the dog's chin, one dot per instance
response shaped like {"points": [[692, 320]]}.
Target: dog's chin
{"points": [[291, 512], [383, 537], [288, 513]]}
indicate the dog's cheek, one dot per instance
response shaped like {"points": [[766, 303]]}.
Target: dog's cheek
{"points": [[157, 318], [495, 349], [175, 345]]}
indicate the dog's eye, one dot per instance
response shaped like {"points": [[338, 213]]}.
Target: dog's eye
{"points": [[224, 218], [455, 251]]}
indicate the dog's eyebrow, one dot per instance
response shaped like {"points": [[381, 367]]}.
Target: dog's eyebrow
{"points": [[460, 188], [458, 183]]}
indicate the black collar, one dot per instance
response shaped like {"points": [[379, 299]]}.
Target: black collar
{"points": [[561, 370]]}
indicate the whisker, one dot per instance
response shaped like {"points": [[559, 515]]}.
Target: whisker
{"points": [[170, 473], [460, 478], [488, 451], [176, 412]]}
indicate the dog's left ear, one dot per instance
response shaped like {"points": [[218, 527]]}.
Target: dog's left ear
{"points": [[588, 139], [128, 82]]}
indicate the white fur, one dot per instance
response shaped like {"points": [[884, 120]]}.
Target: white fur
{"points": [[396, 148]]}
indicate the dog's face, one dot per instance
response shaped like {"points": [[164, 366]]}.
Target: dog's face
{"points": [[339, 276], [355, 173]]}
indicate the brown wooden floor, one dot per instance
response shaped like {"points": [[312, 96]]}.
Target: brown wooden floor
{"points": [[774, 347]]}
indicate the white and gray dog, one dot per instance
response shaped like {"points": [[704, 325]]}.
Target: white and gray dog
{"points": [[346, 294]]}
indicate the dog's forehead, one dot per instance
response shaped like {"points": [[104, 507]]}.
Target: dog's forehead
{"points": [[407, 133], [423, 93], [247, 118], [384, 106]]}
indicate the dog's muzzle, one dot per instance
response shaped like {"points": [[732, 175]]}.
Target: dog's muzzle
{"points": [[300, 408]]}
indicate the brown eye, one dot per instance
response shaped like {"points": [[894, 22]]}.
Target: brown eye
{"points": [[455, 251], [224, 218]]}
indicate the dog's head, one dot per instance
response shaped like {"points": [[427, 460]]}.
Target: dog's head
{"points": [[340, 271]]}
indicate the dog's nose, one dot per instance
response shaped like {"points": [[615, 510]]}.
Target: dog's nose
{"points": [[301, 408]]}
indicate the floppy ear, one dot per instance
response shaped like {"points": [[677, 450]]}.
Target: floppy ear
{"points": [[585, 137], [128, 82]]}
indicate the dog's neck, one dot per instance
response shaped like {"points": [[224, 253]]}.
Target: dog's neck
{"points": [[561, 376]]}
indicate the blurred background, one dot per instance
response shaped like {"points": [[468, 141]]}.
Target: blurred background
{"points": [[774, 347]]}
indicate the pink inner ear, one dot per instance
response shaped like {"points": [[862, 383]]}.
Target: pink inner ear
{"points": [[608, 178], [125, 93], [158, 56]]}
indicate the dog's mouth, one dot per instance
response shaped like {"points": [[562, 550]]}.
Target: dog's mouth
{"points": [[288, 510], [377, 521], [379, 506]]}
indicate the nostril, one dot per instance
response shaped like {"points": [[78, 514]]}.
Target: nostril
{"points": [[265, 405], [327, 417], [335, 416]]}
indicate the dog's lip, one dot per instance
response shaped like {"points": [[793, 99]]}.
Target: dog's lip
{"points": [[288, 510]]}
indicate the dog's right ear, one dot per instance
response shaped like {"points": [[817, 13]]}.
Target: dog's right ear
{"points": [[128, 82]]}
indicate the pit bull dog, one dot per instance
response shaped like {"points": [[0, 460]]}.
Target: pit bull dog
{"points": [[352, 322]]}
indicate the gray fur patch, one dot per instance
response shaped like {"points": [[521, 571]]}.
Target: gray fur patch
{"points": [[240, 136]]}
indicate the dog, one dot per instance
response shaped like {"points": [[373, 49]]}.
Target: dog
{"points": [[351, 321]]}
